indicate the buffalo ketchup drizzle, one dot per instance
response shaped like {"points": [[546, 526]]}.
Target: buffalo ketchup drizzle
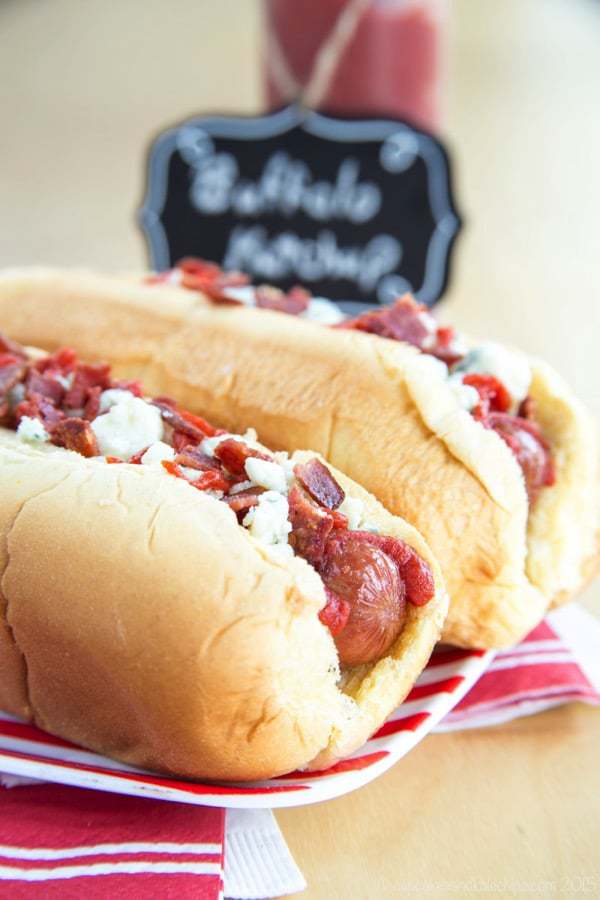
{"points": [[368, 578]]}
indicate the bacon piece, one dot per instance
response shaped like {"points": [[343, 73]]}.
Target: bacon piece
{"points": [[210, 279], [294, 302], [368, 580], [311, 526], [44, 385], [12, 371], [193, 458], [86, 377], [75, 434], [406, 320], [211, 480], [180, 441], [244, 500], [92, 404], [335, 613], [530, 448], [184, 422], [233, 454], [411, 322], [493, 396], [63, 361], [320, 483], [37, 407], [194, 265], [206, 481]]}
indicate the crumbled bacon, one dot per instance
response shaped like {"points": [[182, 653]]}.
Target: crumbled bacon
{"points": [[92, 404], [194, 427], [209, 279], [233, 454], [320, 483], [201, 268], [211, 480], [410, 322], [62, 362], [311, 526], [405, 320], [180, 441], [244, 500], [75, 434], [37, 407], [12, 370], [294, 302], [44, 385], [193, 458], [86, 377], [206, 481]]}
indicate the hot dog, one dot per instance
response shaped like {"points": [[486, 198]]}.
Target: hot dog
{"points": [[184, 599], [496, 462]]}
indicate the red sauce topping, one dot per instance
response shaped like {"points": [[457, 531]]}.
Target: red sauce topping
{"points": [[493, 396]]}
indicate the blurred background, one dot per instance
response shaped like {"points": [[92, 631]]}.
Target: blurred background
{"points": [[86, 85]]}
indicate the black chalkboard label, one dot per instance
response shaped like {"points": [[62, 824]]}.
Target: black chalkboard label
{"points": [[351, 209]]}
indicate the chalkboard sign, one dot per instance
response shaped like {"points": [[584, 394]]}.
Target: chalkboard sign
{"points": [[351, 209]]}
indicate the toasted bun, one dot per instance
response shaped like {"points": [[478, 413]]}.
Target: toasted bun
{"points": [[140, 620], [381, 412]]}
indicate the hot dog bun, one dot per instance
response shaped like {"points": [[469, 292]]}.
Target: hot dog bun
{"points": [[140, 620], [379, 410]]}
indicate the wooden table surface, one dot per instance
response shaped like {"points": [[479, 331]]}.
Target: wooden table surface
{"points": [[509, 810]]}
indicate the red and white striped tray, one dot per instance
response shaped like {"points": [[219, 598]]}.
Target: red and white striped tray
{"points": [[27, 751]]}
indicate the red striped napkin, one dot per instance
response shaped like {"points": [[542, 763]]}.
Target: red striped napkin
{"points": [[558, 662], [66, 842]]}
